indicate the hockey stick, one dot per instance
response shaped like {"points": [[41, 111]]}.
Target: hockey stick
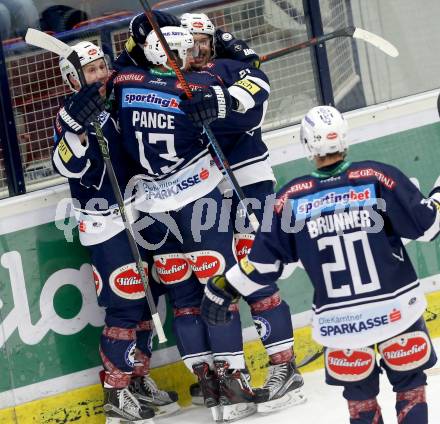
{"points": [[351, 31], [309, 359], [207, 130], [52, 44]]}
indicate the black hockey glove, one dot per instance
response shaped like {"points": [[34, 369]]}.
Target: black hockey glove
{"points": [[140, 26], [228, 47], [219, 294], [82, 108], [207, 105]]}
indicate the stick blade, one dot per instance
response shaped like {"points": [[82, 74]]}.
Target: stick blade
{"points": [[376, 41], [45, 41]]}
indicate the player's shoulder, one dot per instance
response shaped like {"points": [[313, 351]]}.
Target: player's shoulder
{"points": [[296, 187], [201, 79], [386, 174], [219, 64], [372, 164], [129, 75]]}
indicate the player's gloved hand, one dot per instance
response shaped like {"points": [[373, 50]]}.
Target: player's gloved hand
{"points": [[219, 294], [207, 105], [82, 108], [228, 47], [140, 26]]}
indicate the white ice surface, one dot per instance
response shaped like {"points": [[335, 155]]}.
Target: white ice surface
{"points": [[324, 405]]}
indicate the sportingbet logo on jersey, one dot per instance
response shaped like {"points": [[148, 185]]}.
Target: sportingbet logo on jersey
{"points": [[150, 99], [334, 199]]}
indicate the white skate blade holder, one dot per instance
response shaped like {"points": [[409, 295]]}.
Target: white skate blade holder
{"points": [[110, 420], [166, 410], [292, 398], [230, 413]]}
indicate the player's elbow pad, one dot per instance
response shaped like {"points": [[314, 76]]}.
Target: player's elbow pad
{"points": [[249, 92], [433, 231], [69, 156]]}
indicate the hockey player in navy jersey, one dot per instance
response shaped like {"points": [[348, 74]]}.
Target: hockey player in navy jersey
{"points": [[239, 135], [249, 159], [129, 392], [177, 187], [345, 222]]}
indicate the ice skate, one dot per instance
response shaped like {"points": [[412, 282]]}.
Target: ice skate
{"points": [[121, 407], [281, 389], [148, 394], [208, 389], [196, 394], [236, 395], [208, 384]]}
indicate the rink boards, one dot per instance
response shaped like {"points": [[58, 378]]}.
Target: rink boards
{"points": [[49, 320]]}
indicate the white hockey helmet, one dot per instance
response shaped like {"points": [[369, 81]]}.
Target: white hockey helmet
{"points": [[87, 53], [197, 23], [179, 39], [323, 131]]}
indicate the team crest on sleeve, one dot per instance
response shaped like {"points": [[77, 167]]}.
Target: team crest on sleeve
{"points": [[97, 280], [171, 268], [206, 263], [406, 351], [350, 364], [126, 282]]}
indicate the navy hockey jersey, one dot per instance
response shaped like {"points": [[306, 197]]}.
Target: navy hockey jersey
{"points": [[94, 201], [240, 134], [345, 226], [177, 166]]}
